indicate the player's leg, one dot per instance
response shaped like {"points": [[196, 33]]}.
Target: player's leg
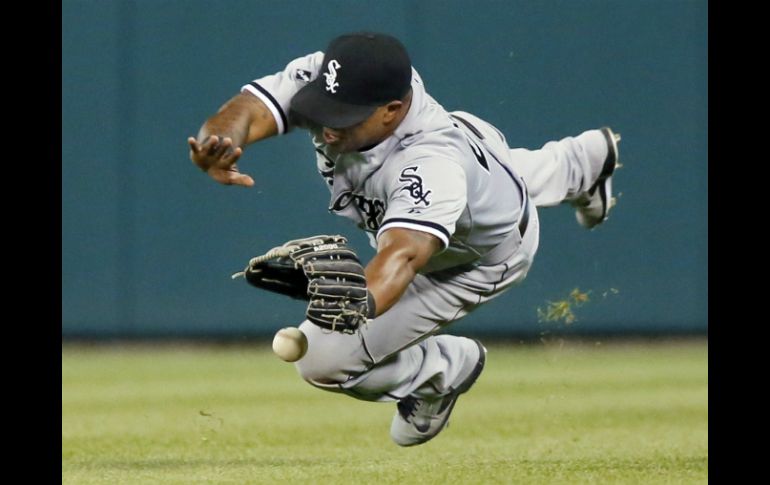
{"points": [[420, 416], [396, 357], [574, 169], [335, 361], [560, 170]]}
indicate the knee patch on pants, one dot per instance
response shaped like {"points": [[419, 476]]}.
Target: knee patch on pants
{"points": [[331, 358], [320, 374]]}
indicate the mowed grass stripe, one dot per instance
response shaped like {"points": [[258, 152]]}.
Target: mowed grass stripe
{"points": [[539, 414]]}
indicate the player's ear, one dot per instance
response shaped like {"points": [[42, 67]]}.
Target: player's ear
{"points": [[392, 109]]}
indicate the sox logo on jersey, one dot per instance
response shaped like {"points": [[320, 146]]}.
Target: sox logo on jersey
{"points": [[415, 187], [372, 209]]}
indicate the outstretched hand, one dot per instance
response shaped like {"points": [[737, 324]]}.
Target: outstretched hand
{"points": [[216, 156]]}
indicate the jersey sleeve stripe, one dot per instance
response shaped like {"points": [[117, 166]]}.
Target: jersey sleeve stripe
{"points": [[430, 227], [272, 104]]}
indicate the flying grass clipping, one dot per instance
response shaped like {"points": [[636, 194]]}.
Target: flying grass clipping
{"points": [[563, 311]]}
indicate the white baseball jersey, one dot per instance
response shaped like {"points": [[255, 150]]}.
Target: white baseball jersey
{"points": [[438, 172], [451, 175]]}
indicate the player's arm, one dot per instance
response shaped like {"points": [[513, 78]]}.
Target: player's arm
{"points": [[400, 255], [242, 120]]}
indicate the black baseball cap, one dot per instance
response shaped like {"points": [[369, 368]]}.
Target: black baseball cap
{"points": [[360, 72]]}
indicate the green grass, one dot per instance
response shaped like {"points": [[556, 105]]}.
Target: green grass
{"points": [[575, 413]]}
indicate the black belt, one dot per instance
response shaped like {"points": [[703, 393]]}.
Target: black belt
{"points": [[524, 219]]}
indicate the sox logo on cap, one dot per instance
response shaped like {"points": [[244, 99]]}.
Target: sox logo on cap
{"points": [[331, 76]]}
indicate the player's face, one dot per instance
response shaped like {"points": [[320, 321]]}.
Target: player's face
{"points": [[350, 139], [369, 132]]}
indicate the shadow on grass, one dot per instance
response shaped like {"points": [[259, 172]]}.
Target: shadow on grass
{"points": [[575, 465], [173, 463]]}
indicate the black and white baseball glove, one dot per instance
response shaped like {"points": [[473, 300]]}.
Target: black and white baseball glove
{"points": [[323, 270]]}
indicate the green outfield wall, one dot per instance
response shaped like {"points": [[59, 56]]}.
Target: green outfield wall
{"points": [[149, 242]]}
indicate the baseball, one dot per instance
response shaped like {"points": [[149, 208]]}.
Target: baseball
{"points": [[290, 344]]}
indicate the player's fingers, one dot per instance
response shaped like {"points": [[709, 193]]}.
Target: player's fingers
{"points": [[210, 145], [232, 155], [193, 144], [230, 177], [242, 179], [195, 153], [221, 176], [223, 147]]}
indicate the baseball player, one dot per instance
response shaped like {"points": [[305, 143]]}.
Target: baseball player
{"points": [[450, 208]]}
